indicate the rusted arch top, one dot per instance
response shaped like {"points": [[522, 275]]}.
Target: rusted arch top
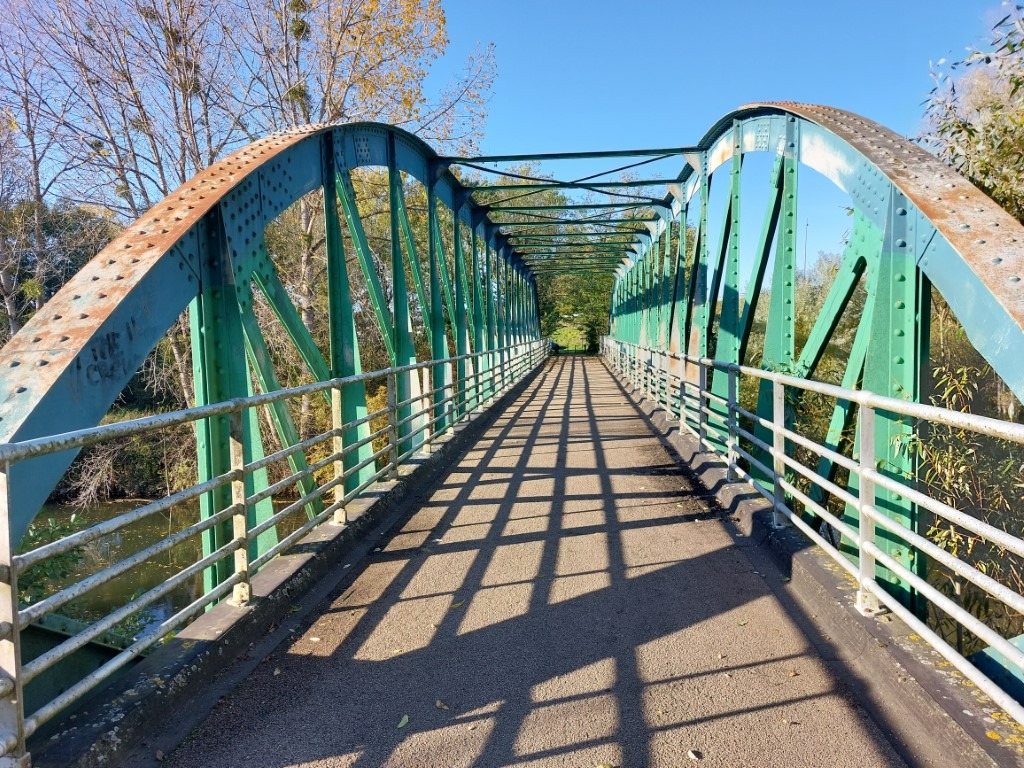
{"points": [[969, 248], [72, 359]]}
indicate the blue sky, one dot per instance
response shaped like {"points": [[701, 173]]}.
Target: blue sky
{"points": [[601, 74]]}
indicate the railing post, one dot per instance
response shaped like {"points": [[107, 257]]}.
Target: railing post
{"points": [[12, 705], [475, 362], [732, 420], [448, 393], [426, 407], [502, 373], [393, 425], [778, 451], [702, 417], [649, 375], [867, 601], [242, 592], [338, 445]]}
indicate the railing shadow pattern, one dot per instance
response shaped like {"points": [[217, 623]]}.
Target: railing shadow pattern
{"points": [[560, 597]]}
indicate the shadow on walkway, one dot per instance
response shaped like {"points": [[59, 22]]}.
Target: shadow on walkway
{"points": [[562, 598]]}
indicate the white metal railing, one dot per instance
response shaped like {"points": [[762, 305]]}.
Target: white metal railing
{"points": [[679, 384], [488, 374]]}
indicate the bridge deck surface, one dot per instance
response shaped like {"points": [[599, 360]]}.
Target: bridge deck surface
{"points": [[563, 598]]}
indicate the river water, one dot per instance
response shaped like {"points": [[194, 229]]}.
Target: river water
{"points": [[122, 544]]}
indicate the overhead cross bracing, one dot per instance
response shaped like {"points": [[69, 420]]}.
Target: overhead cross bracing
{"points": [[587, 217]]}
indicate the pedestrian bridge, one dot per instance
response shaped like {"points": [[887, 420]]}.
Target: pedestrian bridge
{"points": [[727, 538]]}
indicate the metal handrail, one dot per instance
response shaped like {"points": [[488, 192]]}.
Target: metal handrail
{"points": [[456, 400], [643, 366]]}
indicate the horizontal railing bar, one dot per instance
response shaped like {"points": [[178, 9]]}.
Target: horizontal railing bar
{"points": [[80, 689], [14, 451], [985, 582], [287, 451], [41, 663], [75, 540], [37, 610]]}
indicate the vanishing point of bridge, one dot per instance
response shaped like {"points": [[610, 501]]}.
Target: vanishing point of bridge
{"points": [[504, 563]]}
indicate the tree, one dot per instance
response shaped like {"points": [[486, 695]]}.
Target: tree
{"points": [[29, 273], [129, 100], [976, 121]]}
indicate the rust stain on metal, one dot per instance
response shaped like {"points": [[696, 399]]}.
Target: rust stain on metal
{"points": [[989, 239], [53, 339]]}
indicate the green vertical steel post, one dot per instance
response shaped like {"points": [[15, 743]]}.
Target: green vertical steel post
{"points": [[897, 360], [492, 331], [344, 349], [460, 326], [653, 264], [405, 351], [682, 283], [221, 374], [507, 306], [699, 287], [779, 352], [499, 308], [478, 314], [438, 338], [696, 323], [667, 273], [728, 345]]}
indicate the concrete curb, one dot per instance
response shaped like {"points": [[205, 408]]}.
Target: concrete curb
{"points": [[169, 683], [932, 715]]}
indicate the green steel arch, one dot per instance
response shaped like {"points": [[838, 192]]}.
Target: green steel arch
{"points": [[916, 225], [203, 247]]}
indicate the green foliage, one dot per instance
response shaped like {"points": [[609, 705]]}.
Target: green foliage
{"points": [[41, 246], [978, 475], [39, 580], [575, 307], [976, 117]]}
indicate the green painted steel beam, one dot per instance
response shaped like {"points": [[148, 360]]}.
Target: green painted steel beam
{"points": [[280, 416], [344, 344], [347, 195], [668, 152], [696, 326], [556, 184], [728, 343], [607, 238], [762, 255], [405, 350], [579, 223], [574, 207], [440, 378], [414, 260], [596, 244], [220, 374], [460, 325]]}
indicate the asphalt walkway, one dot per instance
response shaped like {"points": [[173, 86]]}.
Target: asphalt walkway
{"points": [[563, 598]]}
